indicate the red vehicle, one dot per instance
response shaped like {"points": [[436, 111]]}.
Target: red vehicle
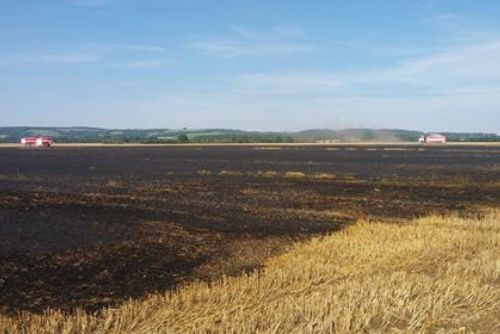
{"points": [[40, 141]]}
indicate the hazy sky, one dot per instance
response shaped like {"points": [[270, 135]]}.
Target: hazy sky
{"points": [[251, 64]]}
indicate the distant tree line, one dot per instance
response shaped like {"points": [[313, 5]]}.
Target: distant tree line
{"points": [[180, 139], [240, 138], [156, 136]]}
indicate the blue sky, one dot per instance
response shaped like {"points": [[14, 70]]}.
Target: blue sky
{"points": [[432, 65]]}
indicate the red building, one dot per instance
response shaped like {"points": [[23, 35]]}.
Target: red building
{"points": [[432, 138]]}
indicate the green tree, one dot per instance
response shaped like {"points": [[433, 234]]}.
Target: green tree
{"points": [[183, 139]]}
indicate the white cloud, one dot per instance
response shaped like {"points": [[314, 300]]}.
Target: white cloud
{"points": [[124, 47], [245, 33], [129, 55], [49, 58], [476, 65], [456, 66], [230, 48], [290, 31], [245, 42], [147, 63], [293, 83]]}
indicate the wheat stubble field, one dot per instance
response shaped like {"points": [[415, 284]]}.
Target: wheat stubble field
{"points": [[250, 239]]}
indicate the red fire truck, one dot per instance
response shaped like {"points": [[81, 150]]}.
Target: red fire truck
{"points": [[40, 141]]}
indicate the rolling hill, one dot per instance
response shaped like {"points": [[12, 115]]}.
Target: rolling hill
{"points": [[102, 135]]}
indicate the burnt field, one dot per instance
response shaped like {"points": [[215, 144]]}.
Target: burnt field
{"points": [[93, 226]]}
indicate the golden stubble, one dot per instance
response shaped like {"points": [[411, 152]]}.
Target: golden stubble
{"points": [[432, 275]]}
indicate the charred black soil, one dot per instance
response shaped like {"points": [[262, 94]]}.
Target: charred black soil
{"points": [[90, 227]]}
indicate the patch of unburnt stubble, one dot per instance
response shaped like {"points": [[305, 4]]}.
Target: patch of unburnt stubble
{"points": [[435, 274]]}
